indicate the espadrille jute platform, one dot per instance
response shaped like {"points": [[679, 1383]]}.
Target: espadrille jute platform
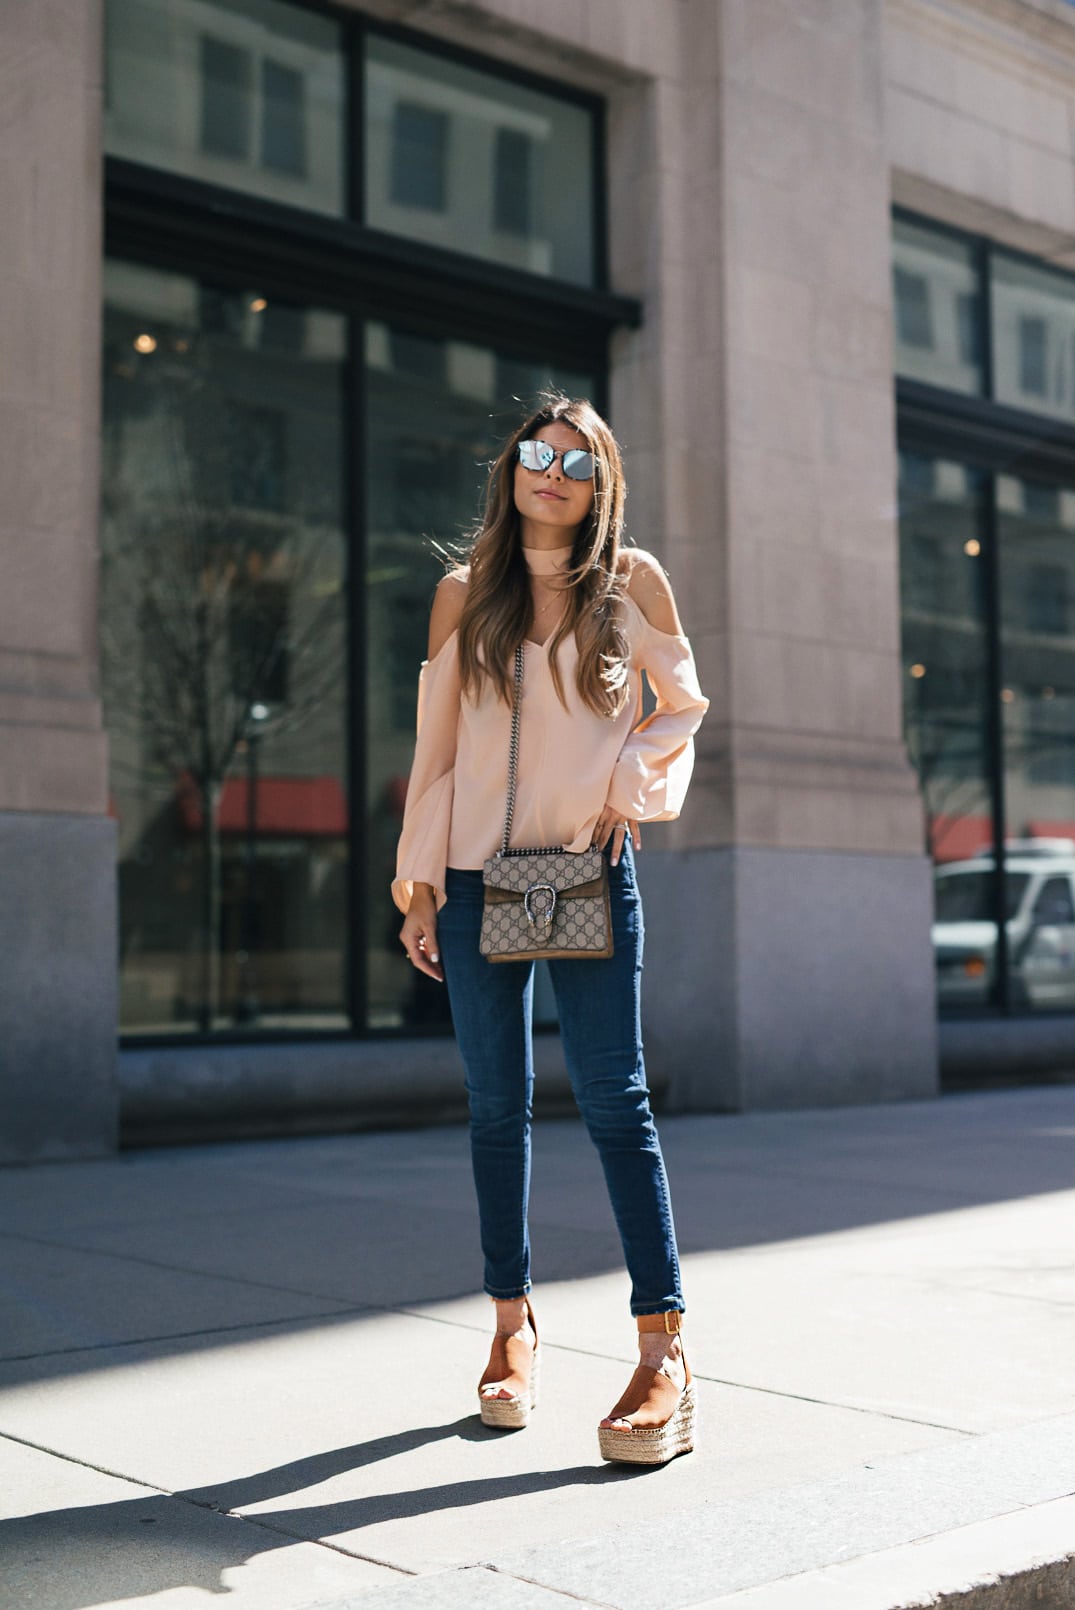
{"points": [[514, 1364], [661, 1417]]}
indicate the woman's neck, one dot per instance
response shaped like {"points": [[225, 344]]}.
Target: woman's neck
{"points": [[534, 534]]}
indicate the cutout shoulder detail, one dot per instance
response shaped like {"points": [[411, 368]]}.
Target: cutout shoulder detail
{"points": [[648, 626], [440, 652]]}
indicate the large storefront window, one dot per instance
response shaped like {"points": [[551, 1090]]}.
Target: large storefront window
{"points": [[298, 419], [987, 537], [224, 652]]}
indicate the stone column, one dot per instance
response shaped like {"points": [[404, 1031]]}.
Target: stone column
{"points": [[58, 965], [789, 958]]}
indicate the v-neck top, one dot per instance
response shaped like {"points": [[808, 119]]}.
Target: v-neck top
{"points": [[572, 762]]}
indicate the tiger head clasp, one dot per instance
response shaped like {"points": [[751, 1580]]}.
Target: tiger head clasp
{"points": [[539, 903]]}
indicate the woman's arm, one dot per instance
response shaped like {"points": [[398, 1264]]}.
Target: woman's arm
{"points": [[655, 764], [651, 590], [418, 885]]}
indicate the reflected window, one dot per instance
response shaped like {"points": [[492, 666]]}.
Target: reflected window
{"points": [[937, 308], [283, 124], [913, 322], [227, 102], [512, 182], [1033, 316], [419, 170], [962, 894], [243, 93], [1032, 355], [1054, 904], [460, 158]]}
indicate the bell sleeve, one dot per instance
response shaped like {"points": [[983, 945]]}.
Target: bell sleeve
{"points": [[654, 767], [422, 853]]}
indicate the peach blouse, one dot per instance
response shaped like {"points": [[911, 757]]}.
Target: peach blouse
{"points": [[571, 761]]}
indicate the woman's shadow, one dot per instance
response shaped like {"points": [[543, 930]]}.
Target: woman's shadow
{"points": [[102, 1552]]}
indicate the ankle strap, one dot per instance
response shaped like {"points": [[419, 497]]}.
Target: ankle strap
{"points": [[671, 1322]]}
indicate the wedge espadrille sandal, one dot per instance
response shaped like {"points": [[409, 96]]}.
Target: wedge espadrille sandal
{"points": [[662, 1418], [514, 1364]]}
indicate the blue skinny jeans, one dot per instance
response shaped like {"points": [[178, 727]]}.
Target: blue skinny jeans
{"points": [[600, 1029]]}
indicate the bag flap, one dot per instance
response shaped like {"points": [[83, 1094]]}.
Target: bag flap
{"points": [[566, 870]]}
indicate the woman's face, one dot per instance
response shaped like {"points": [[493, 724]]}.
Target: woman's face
{"points": [[549, 497]]}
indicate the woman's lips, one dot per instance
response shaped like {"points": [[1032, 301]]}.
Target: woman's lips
{"points": [[557, 495]]}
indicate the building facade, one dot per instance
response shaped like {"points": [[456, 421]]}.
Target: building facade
{"points": [[277, 274]]}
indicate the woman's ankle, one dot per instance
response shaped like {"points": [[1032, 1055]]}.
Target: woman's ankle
{"points": [[511, 1315], [664, 1353]]}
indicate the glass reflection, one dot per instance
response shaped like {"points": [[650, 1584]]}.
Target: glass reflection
{"points": [[436, 409], [459, 158], [224, 653], [937, 308], [244, 93], [1034, 337], [1036, 534], [944, 663]]}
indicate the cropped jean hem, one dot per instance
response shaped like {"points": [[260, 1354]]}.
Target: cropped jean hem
{"points": [[507, 1296]]}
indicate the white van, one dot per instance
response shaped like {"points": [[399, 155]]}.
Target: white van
{"points": [[1040, 888]]}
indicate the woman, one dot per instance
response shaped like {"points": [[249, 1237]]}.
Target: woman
{"points": [[547, 569]]}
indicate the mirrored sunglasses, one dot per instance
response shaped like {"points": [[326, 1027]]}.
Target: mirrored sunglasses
{"points": [[578, 465]]}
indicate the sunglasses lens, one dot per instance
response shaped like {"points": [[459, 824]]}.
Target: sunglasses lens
{"points": [[535, 455], [578, 465]]}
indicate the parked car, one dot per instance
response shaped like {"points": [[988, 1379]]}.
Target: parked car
{"points": [[1039, 879]]}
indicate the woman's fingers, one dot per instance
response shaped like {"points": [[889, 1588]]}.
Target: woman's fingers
{"points": [[610, 825], [420, 942]]}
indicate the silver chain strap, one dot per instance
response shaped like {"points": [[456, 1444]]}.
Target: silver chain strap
{"points": [[513, 765]]}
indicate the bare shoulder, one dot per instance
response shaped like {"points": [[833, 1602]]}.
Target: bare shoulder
{"points": [[448, 601], [651, 590]]}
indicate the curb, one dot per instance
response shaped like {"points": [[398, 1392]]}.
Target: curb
{"points": [[1031, 1555]]}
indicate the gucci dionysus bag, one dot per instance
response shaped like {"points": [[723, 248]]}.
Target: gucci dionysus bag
{"points": [[547, 902]]}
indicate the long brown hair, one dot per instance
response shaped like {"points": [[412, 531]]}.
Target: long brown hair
{"points": [[498, 612]]}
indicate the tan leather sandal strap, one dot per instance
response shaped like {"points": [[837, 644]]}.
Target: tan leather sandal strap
{"points": [[671, 1322]]}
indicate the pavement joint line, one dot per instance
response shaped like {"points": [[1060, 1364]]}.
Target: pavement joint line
{"points": [[714, 1380], [197, 1503], [176, 1336], [85, 1464], [267, 1524], [436, 1319], [237, 1280], [183, 1269], [564, 1593]]}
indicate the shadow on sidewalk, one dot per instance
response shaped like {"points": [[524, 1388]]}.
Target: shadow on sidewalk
{"points": [[104, 1553]]}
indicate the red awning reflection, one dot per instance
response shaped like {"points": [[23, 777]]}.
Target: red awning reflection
{"points": [[295, 806]]}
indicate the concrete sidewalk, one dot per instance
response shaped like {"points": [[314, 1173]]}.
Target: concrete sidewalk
{"points": [[249, 1368]]}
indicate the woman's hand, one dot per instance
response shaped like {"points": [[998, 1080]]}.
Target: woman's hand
{"points": [[611, 823], [418, 936]]}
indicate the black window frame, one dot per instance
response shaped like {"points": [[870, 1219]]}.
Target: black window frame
{"points": [[228, 237], [994, 438]]}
